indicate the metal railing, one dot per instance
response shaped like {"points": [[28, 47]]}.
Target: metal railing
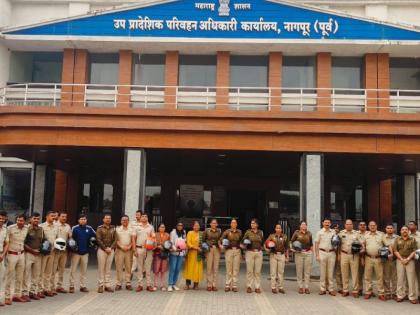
{"points": [[207, 98]]}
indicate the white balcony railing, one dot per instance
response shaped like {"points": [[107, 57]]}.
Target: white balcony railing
{"points": [[204, 98]]}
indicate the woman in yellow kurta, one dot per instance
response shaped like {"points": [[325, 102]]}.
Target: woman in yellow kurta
{"points": [[193, 271]]}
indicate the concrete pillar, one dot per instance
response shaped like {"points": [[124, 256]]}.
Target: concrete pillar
{"points": [[312, 193], [134, 181], [409, 198], [38, 188]]}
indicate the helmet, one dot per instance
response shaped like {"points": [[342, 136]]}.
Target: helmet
{"points": [[270, 244], [335, 241], [93, 243], [45, 248], [417, 254], [297, 246], [167, 245], [383, 252], [356, 247], [225, 242], [247, 242], [205, 247], [71, 243], [180, 244], [60, 244], [150, 243]]}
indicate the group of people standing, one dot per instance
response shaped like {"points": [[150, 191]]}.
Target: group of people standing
{"points": [[36, 256]]}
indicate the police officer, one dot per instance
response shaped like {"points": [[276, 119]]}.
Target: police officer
{"points": [[279, 256], [134, 225], [4, 243], [412, 226], [60, 257], [373, 264], [106, 238], [33, 259], [390, 267], [211, 237], [253, 256], [15, 260], [404, 249], [337, 268], [47, 262], [124, 253], [362, 230], [348, 260], [232, 255], [81, 233], [325, 255]]}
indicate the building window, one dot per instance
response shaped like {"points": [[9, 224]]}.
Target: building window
{"points": [[149, 70], [197, 70], [35, 67], [103, 68], [248, 71], [347, 72], [405, 73], [298, 72], [15, 185]]}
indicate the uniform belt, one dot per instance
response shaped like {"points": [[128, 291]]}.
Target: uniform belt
{"points": [[327, 251], [254, 250], [14, 253], [139, 246], [343, 251], [372, 257], [281, 253]]}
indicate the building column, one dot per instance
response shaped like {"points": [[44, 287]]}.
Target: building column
{"points": [[124, 78], [60, 188], [379, 201], [134, 181], [409, 198], [371, 81], [384, 83], [275, 64], [222, 80], [312, 193], [323, 81], [171, 78], [38, 188], [81, 76], [67, 77]]}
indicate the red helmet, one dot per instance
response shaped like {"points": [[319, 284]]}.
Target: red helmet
{"points": [[270, 244], [150, 243]]}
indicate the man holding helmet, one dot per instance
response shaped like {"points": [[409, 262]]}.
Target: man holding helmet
{"points": [[106, 242], [124, 254], [60, 256], [390, 267]]}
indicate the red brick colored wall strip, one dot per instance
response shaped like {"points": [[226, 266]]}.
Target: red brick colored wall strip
{"points": [[81, 67], [275, 63], [72, 197], [383, 82], [385, 203], [371, 81], [171, 78], [222, 80], [124, 78], [323, 79], [67, 77], [60, 188]]}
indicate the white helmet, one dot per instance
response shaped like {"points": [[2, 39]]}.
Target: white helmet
{"points": [[60, 244]]}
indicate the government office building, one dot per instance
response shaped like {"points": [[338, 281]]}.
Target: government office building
{"points": [[190, 109]]}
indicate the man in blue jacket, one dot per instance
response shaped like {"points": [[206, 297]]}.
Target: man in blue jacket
{"points": [[81, 233]]}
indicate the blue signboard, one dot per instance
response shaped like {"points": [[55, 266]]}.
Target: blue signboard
{"points": [[223, 19]]}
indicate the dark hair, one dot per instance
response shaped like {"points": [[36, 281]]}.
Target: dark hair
{"points": [[35, 215], [326, 219], [62, 212], [82, 215], [21, 216], [362, 222], [404, 226], [389, 224], [255, 220], [106, 214], [196, 222], [371, 221], [179, 233], [139, 211], [301, 222], [51, 212], [3, 213], [125, 216], [213, 219], [412, 222], [234, 219], [279, 224], [161, 225]]}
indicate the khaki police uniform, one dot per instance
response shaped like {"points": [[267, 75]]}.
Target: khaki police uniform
{"points": [[327, 258], [33, 260], [47, 262], [390, 269], [373, 263], [134, 225], [60, 257], [144, 257], [349, 262], [15, 260], [123, 259], [361, 267], [4, 238], [211, 237], [232, 257], [303, 259], [406, 274], [277, 259], [416, 236], [254, 258], [106, 238]]}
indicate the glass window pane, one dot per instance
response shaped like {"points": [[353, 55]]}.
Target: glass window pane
{"points": [[197, 70], [405, 73], [104, 68], [149, 70], [15, 185], [347, 72], [298, 72], [248, 71], [108, 197]]}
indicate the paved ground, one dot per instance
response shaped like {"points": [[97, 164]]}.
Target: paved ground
{"points": [[203, 302]]}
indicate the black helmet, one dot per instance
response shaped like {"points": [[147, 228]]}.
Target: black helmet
{"points": [[93, 243], [417, 254], [356, 247], [205, 247], [335, 241], [45, 248], [383, 252], [297, 246], [72, 245]]}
